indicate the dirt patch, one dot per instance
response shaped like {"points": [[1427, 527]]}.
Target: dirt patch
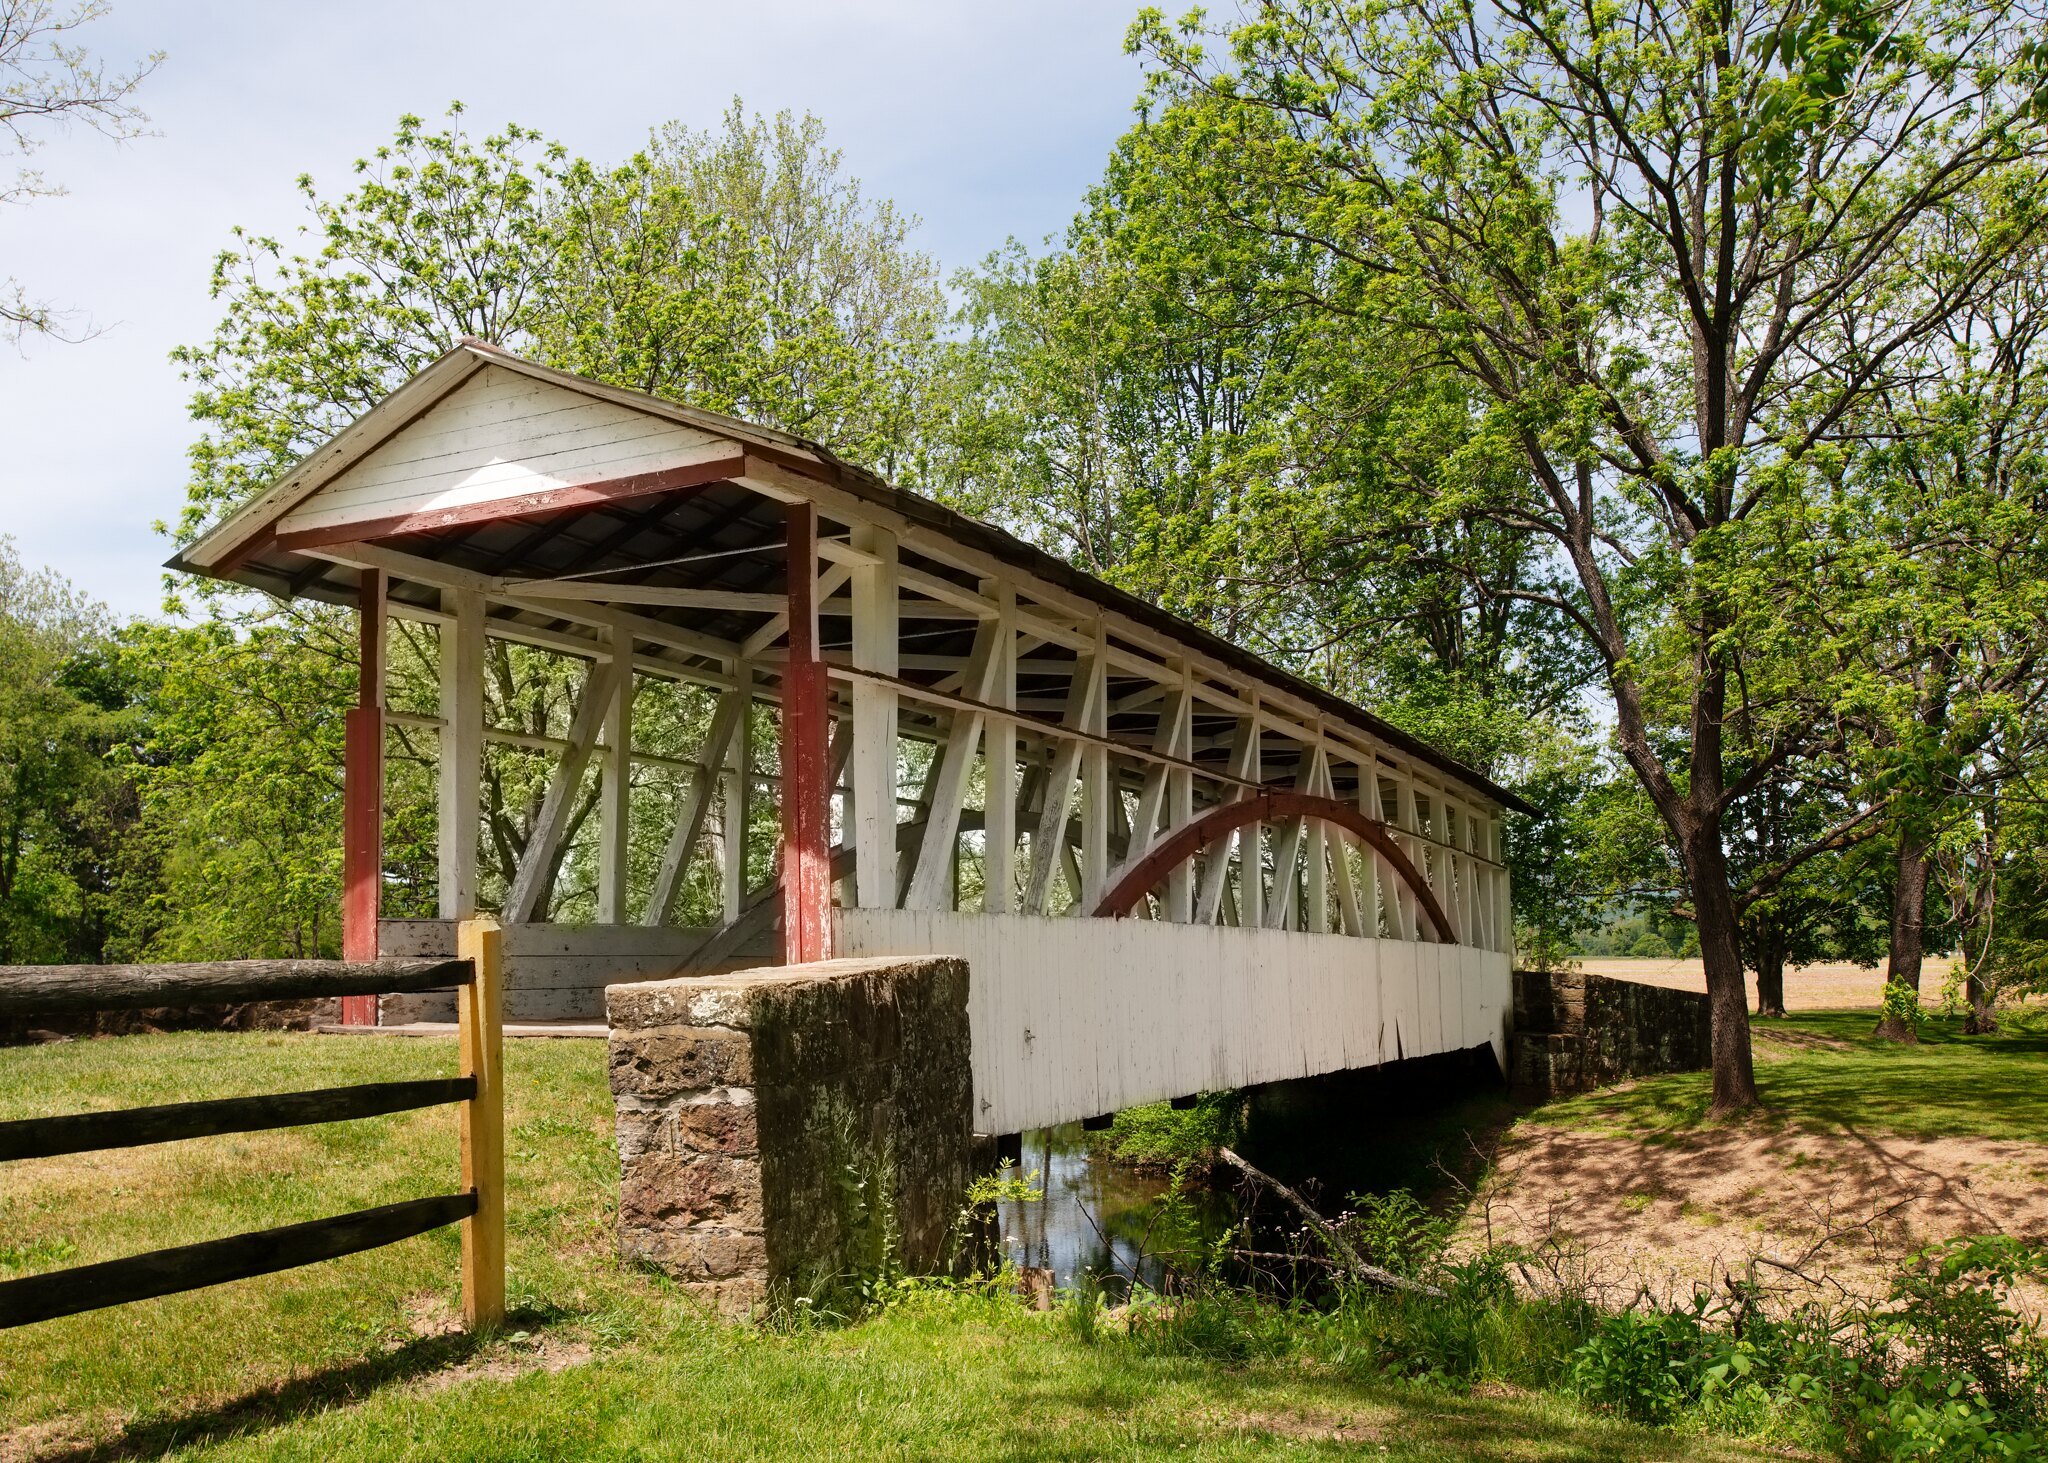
{"points": [[42, 1439], [429, 1313], [1314, 1425], [1308, 1427], [1780, 1042], [507, 1361], [1688, 1209]]}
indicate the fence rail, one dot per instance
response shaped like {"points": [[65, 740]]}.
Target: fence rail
{"points": [[52, 990], [479, 1206], [134, 1127]]}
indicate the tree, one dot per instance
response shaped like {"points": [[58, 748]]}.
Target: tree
{"points": [[740, 270], [1993, 866], [48, 83], [238, 767], [441, 238], [1950, 480], [1663, 246], [1165, 404], [1797, 911], [63, 808], [743, 270]]}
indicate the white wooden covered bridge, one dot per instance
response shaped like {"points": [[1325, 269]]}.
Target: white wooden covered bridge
{"points": [[1172, 867]]}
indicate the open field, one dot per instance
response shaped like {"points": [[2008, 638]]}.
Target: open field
{"points": [[1831, 986], [359, 1359]]}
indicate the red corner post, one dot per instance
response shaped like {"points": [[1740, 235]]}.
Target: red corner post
{"points": [[362, 831], [806, 798]]}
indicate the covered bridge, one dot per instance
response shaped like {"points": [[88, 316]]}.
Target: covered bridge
{"points": [[1171, 866]]}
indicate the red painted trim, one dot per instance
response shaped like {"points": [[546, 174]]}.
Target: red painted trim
{"points": [[806, 790], [1189, 839], [263, 538], [362, 825], [551, 500]]}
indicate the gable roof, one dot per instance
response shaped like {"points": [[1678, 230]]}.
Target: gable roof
{"points": [[243, 546]]}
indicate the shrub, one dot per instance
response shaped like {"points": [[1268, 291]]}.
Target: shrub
{"points": [[1902, 1011], [1647, 1363], [1395, 1232], [1948, 1366], [1161, 1136]]}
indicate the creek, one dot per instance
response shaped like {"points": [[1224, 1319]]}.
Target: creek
{"points": [[1418, 1125]]}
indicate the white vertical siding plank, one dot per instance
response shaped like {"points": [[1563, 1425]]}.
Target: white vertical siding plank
{"points": [[1130, 1011]]}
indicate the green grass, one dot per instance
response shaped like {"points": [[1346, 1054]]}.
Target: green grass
{"points": [[958, 1378], [356, 1359], [1823, 1070], [163, 1355]]}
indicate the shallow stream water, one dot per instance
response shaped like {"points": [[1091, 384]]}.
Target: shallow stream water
{"points": [[1096, 1215], [1408, 1126]]}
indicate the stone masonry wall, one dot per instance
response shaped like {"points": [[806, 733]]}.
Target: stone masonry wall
{"points": [[1575, 1031], [783, 1130]]}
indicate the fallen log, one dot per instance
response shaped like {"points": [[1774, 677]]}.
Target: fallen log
{"points": [[1346, 1255]]}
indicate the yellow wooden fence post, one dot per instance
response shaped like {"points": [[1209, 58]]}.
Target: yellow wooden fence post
{"points": [[481, 942]]}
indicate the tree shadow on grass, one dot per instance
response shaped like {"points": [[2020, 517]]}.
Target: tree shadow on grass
{"points": [[1950, 1085], [1828, 1072], [290, 1401], [1260, 1411]]}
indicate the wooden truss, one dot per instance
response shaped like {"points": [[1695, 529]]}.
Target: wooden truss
{"points": [[1075, 752]]}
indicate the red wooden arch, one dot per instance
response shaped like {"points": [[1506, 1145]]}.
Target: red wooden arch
{"points": [[1189, 839]]}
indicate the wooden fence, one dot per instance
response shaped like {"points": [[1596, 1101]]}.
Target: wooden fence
{"points": [[479, 1206]]}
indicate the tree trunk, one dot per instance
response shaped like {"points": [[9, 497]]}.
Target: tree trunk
{"points": [[1982, 1020], [1769, 959], [1721, 953], [1908, 944]]}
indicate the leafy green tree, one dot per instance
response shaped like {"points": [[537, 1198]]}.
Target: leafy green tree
{"points": [[440, 238], [1991, 865], [743, 270], [1800, 896], [1948, 473], [61, 808], [238, 767], [1167, 405], [1662, 246], [1131, 400]]}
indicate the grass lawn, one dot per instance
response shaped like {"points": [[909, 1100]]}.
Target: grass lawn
{"points": [[1824, 1071], [358, 1358]]}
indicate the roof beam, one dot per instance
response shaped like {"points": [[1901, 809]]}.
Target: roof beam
{"points": [[722, 468], [598, 592]]}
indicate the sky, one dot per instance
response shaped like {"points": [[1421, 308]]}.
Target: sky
{"points": [[987, 121]]}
